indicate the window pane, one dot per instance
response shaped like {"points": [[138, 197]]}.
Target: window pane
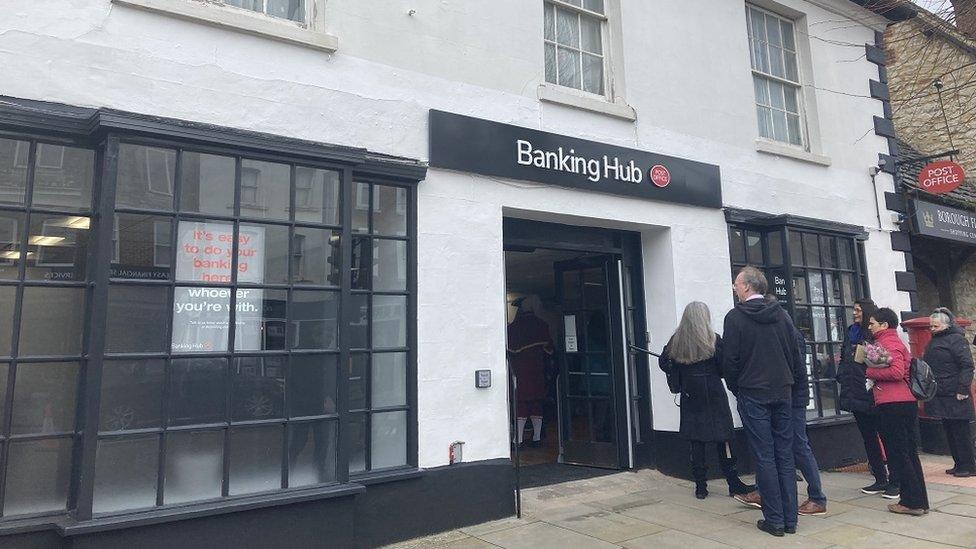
{"points": [[145, 177], [569, 68], [829, 250], [52, 321], [126, 472], [389, 210], [357, 440], [13, 170], [196, 391], [201, 317], [8, 296], [847, 289], [550, 21], [836, 325], [132, 394], [258, 387], [389, 265], [551, 64], [790, 96], [360, 209], [63, 177], [265, 189], [737, 245], [314, 319], [779, 126], [834, 295], [11, 225], [593, 74], [4, 374], [388, 440], [38, 473], [845, 258], [828, 398], [389, 379], [765, 120], [255, 459], [786, 29], [194, 466], [793, 129], [358, 328], [358, 365], [796, 248], [819, 324], [389, 321], [754, 253], [776, 99], [57, 247], [811, 249], [591, 34], [312, 385], [800, 294], [205, 250], [261, 319], [311, 453], [803, 322], [593, 5], [761, 87], [773, 32], [360, 262], [207, 183], [142, 247], [133, 320], [263, 254], [293, 10], [792, 72], [44, 398], [315, 257], [567, 28], [817, 293], [776, 62], [758, 26], [775, 245], [317, 196]]}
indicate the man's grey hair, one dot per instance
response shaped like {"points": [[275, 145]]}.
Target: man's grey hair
{"points": [[754, 279]]}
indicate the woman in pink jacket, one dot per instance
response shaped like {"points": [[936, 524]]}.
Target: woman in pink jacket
{"points": [[897, 409]]}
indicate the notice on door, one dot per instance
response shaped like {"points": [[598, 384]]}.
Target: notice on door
{"points": [[201, 315], [569, 325]]}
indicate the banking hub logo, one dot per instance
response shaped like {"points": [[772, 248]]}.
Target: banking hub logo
{"points": [[594, 169]]}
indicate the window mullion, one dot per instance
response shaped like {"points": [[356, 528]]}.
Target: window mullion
{"points": [[347, 189]]}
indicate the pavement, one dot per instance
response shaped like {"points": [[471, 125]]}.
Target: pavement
{"points": [[646, 509]]}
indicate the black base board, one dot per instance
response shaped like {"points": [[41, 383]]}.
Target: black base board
{"points": [[440, 499], [835, 445]]}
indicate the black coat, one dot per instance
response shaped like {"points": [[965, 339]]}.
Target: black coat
{"points": [[952, 364], [705, 413], [760, 358], [850, 375]]}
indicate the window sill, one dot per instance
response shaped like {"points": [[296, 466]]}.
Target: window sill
{"points": [[159, 516], [229, 18], [560, 96], [779, 149]]}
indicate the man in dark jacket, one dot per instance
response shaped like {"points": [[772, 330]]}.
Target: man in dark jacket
{"points": [[760, 365]]}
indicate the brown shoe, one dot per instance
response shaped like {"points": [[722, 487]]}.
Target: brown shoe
{"points": [[902, 510], [812, 508], [751, 499]]}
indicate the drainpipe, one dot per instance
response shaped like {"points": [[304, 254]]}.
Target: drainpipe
{"points": [[873, 172]]}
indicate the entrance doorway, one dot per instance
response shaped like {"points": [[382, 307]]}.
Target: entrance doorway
{"points": [[572, 319]]}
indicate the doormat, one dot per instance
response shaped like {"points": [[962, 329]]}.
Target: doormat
{"points": [[545, 474]]}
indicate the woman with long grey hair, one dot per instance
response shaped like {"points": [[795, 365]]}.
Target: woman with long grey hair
{"points": [[691, 361]]}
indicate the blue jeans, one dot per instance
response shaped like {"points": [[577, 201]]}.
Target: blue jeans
{"points": [[806, 462], [769, 430]]}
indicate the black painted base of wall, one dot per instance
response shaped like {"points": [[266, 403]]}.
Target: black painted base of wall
{"points": [[835, 445], [441, 499]]}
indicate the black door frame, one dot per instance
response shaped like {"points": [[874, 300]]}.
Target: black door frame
{"points": [[528, 235]]}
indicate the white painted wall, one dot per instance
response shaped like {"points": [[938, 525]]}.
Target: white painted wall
{"points": [[687, 77]]}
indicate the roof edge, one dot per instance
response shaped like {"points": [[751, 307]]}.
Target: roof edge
{"points": [[892, 10]]}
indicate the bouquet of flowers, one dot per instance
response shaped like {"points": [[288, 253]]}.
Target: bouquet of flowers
{"points": [[875, 356]]}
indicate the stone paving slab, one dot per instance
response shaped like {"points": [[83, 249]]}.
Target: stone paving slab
{"points": [[645, 509]]}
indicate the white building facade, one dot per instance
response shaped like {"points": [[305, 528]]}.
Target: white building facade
{"points": [[284, 158]]}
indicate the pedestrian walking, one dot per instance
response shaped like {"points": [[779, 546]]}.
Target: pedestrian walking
{"points": [[857, 399], [898, 410], [952, 364], [692, 361], [759, 362]]}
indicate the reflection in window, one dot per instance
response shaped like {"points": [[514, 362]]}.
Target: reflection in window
{"points": [[312, 448], [58, 244], [133, 319], [44, 398], [13, 170], [38, 475], [261, 319], [194, 466], [265, 189], [196, 391], [132, 395], [255, 459], [63, 177], [207, 183], [258, 388], [126, 473], [314, 323], [52, 321], [312, 385], [142, 247]]}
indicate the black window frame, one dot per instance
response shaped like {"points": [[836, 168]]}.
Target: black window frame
{"points": [[103, 132], [823, 387]]}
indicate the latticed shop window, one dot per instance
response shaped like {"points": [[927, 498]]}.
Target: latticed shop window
{"points": [[817, 277]]}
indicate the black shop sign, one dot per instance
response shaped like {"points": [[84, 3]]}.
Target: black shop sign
{"points": [[929, 219], [491, 148]]}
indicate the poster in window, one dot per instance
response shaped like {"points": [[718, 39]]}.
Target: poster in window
{"points": [[201, 315]]}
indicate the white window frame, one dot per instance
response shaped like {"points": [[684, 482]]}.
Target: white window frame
{"points": [[786, 82], [362, 200], [163, 262], [216, 13], [306, 15], [167, 190], [580, 12], [22, 154], [54, 166], [256, 188], [612, 101]]}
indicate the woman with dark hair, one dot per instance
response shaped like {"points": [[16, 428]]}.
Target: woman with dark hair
{"points": [[691, 360], [855, 398], [898, 411], [952, 364]]}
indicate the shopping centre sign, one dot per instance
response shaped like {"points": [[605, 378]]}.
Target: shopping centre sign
{"points": [[929, 219], [491, 148]]}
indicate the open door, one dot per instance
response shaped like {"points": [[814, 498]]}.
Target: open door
{"points": [[592, 388]]}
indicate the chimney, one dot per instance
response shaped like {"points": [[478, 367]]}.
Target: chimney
{"points": [[965, 11]]}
